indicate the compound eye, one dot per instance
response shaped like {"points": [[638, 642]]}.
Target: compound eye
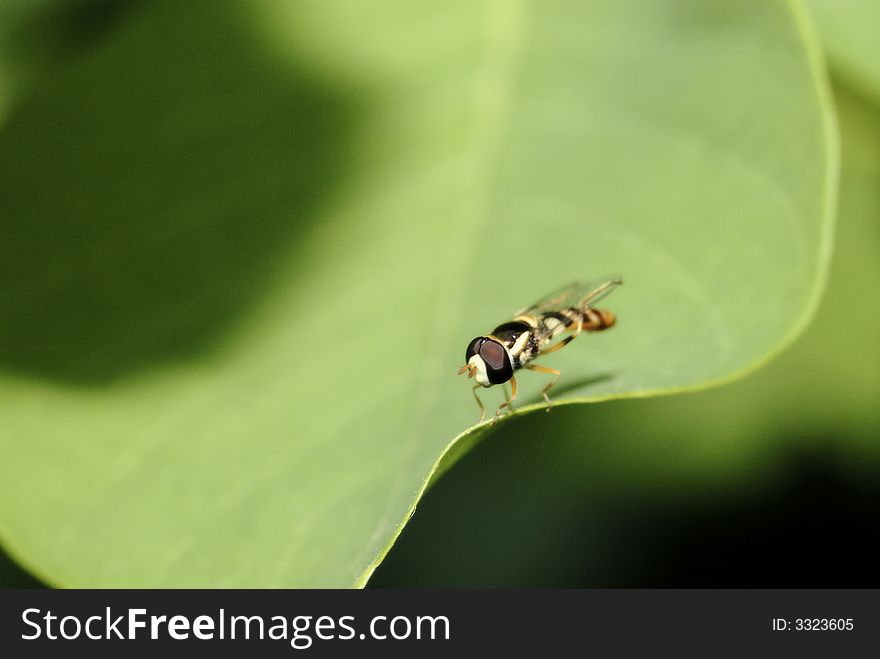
{"points": [[473, 348], [493, 354], [498, 366]]}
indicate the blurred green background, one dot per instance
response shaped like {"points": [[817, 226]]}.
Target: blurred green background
{"points": [[771, 481]]}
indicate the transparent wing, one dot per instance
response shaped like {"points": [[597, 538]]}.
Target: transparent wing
{"points": [[576, 294]]}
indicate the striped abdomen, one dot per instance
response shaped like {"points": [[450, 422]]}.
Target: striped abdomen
{"points": [[554, 323]]}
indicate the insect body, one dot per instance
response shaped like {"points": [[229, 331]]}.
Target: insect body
{"points": [[513, 345]]}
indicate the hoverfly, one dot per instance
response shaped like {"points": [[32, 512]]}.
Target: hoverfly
{"points": [[513, 345]]}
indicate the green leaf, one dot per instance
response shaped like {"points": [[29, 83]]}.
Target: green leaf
{"points": [[646, 493], [244, 252], [849, 33]]}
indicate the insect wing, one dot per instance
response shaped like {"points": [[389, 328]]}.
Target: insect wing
{"points": [[598, 292], [577, 294]]}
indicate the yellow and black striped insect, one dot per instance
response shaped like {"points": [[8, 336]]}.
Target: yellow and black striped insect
{"points": [[513, 345]]}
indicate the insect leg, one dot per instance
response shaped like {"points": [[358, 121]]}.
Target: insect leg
{"points": [[558, 346], [508, 401], [479, 402], [551, 371], [507, 395]]}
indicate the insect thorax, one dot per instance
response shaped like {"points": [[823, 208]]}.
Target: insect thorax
{"points": [[520, 337]]}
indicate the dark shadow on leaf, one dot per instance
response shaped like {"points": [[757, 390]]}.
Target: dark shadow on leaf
{"points": [[569, 500], [13, 576], [564, 386], [153, 190], [45, 35]]}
